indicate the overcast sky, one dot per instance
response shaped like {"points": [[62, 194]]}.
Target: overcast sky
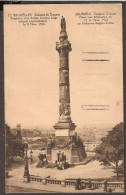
{"points": [[32, 67]]}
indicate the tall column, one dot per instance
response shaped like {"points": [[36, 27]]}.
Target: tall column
{"points": [[64, 127]]}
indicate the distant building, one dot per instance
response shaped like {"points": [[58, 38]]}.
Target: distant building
{"points": [[16, 132], [90, 148]]}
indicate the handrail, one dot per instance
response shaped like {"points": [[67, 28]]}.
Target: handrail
{"points": [[85, 182]]}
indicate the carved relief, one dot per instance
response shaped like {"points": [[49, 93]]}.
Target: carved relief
{"points": [[64, 110]]}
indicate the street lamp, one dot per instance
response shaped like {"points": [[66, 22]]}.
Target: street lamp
{"points": [[26, 171], [31, 156]]}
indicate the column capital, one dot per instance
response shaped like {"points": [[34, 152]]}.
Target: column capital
{"points": [[63, 46]]}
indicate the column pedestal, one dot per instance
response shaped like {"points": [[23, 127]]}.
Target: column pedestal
{"points": [[64, 129]]}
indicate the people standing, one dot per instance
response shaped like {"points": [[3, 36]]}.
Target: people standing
{"points": [[105, 185], [89, 183], [78, 184]]}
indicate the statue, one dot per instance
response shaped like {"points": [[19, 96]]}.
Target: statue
{"points": [[63, 24]]}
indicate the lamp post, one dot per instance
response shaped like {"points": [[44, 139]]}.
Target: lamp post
{"points": [[26, 171], [31, 156]]}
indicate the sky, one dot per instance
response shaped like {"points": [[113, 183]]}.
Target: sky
{"points": [[32, 67]]}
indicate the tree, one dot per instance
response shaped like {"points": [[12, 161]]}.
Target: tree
{"points": [[14, 144], [111, 150], [80, 147]]}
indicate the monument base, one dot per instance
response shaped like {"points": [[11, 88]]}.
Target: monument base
{"points": [[71, 147], [71, 155], [64, 132], [64, 128]]}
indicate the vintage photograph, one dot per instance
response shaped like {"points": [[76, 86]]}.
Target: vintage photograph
{"points": [[63, 72]]}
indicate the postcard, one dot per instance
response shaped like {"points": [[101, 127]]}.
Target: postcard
{"points": [[63, 70]]}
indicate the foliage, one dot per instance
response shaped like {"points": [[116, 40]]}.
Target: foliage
{"points": [[80, 147], [111, 150], [14, 144]]}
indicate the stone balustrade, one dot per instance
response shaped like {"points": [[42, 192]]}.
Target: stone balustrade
{"points": [[84, 183], [53, 181], [115, 184]]}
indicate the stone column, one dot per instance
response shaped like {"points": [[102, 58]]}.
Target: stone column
{"points": [[64, 47]]}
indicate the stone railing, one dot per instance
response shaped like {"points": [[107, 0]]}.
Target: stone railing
{"points": [[35, 178], [69, 183], [84, 183], [53, 181], [115, 184], [92, 184]]}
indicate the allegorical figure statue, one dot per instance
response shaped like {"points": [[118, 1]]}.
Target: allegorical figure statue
{"points": [[63, 23]]}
